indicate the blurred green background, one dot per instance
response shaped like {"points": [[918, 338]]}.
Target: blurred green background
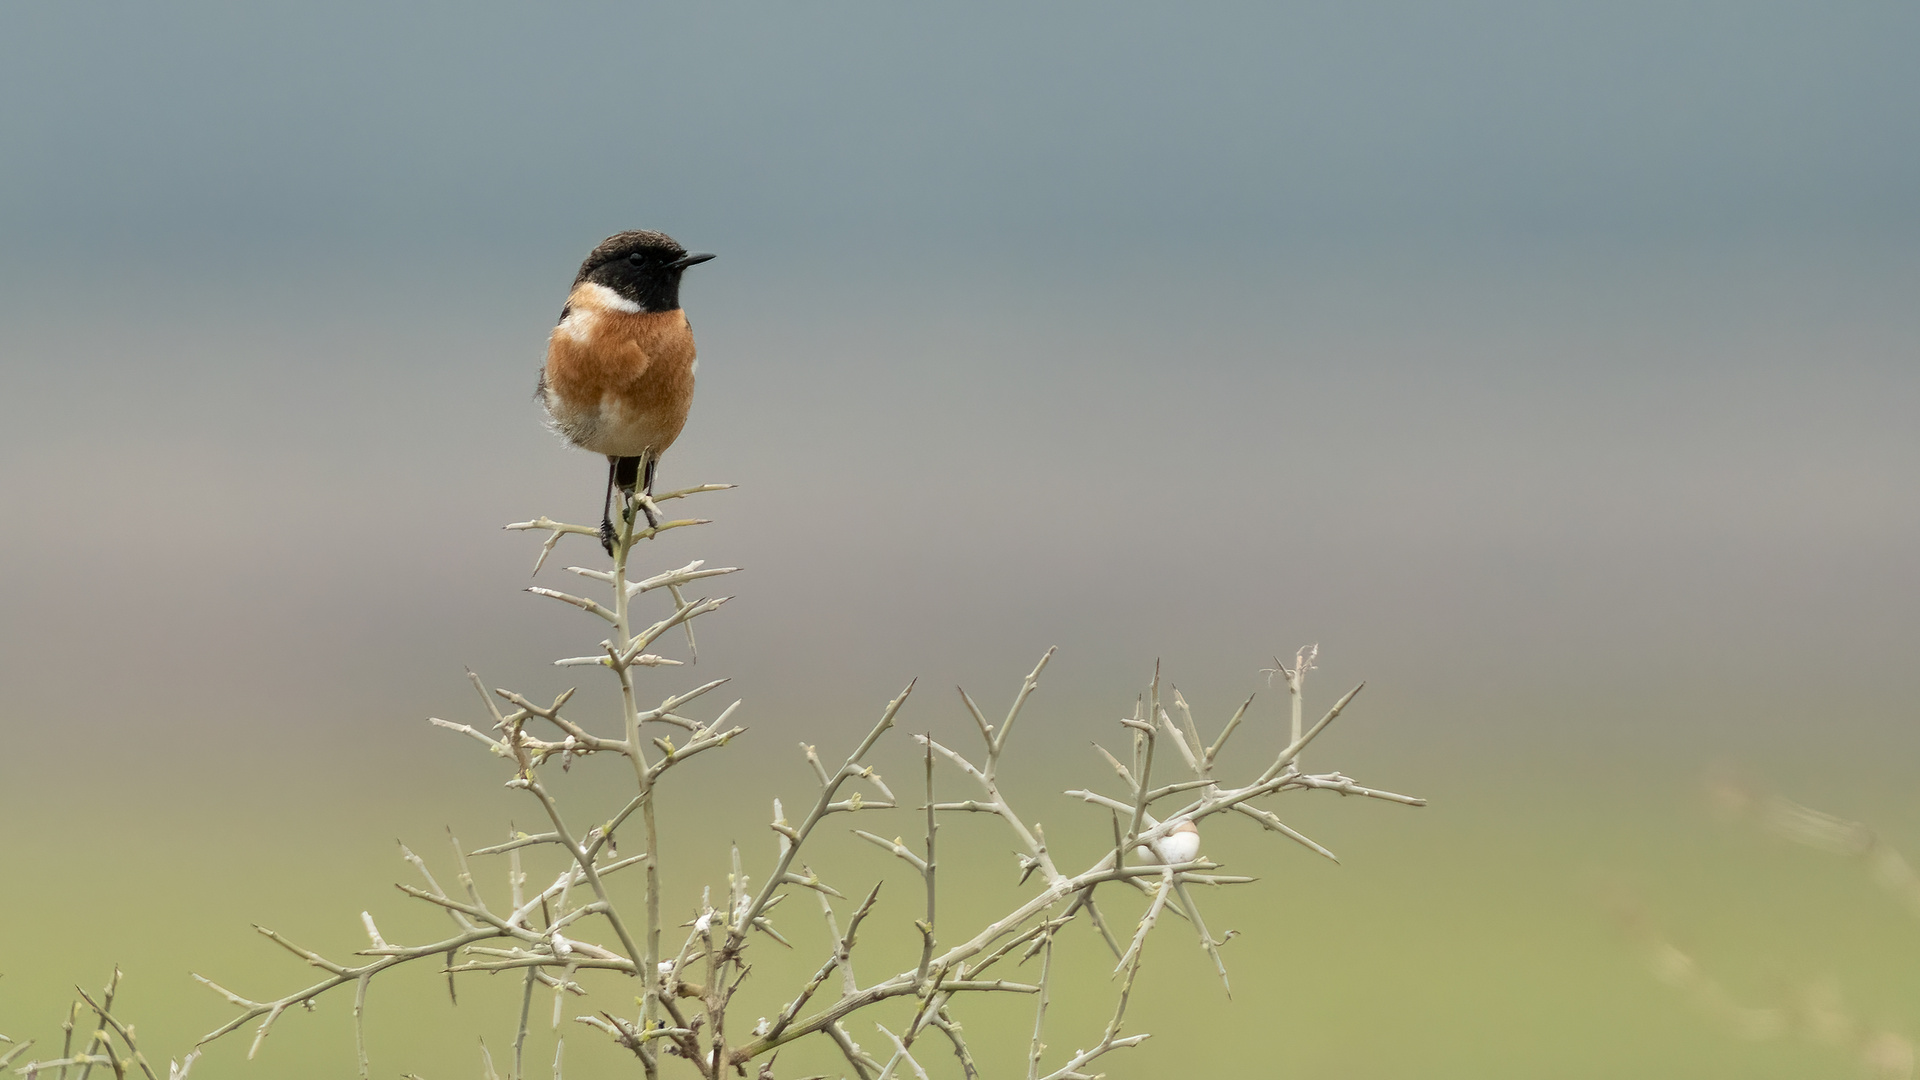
{"points": [[1551, 366]]}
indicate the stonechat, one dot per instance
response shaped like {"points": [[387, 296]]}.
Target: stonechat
{"points": [[620, 364]]}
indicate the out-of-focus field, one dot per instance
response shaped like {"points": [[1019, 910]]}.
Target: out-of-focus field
{"points": [[1551, 365], [1575, 567], [1469, 938]]}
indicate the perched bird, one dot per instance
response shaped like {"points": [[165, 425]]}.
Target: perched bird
{"points": [[620, 364], [1181, 845]]}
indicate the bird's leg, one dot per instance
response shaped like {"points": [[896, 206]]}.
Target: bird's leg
{"points": [[626, 477], [606, 508]]}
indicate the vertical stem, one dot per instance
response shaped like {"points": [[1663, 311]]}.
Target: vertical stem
{"points": [[927, 942], [106, 1002], [1040, 1011], [520, 1037], [622, 636], [715, 999], [1294, 678], [66, 1043], [636, 753], [652, 960], [1140, 794], [359, 1026]]}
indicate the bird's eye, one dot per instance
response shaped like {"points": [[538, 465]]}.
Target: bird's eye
{"points": [[635, 259]]}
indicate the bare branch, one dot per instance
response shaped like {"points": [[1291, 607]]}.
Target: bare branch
{"points": [[928, 869], [1213, 752], [549, 937], [894, 846], [1269, 821], [1036, 1047], [979, 719], [1026, 690], [830, 788], [1300, 742]]}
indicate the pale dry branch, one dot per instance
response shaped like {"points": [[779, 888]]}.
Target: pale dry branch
{"points": [[682, 1000], [1189, 752], [900, 1054], [1272, 822], [894, 846], [1290, 755], [929, 869], [1035, 1048], [1233, 724], [821, 808]]}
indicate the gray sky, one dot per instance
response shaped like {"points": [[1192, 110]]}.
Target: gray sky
{"points": [[1059, 130]]}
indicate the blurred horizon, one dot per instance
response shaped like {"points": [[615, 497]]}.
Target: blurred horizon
{"points": [[1553, 368]]}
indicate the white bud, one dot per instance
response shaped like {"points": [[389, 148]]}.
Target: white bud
{"points": [[1181, 845]]}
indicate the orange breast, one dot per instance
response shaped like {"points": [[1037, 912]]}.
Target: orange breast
{"points": [[619, 383]]}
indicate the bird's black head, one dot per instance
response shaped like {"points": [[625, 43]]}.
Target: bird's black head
{"points": [[642, 266]]}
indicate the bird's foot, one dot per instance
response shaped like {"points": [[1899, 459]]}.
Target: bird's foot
{"points": [[606, 536]]}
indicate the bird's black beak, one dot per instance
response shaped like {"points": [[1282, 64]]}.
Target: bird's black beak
{"points": [[690, 259]]}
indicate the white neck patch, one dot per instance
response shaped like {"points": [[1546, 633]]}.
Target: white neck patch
{"points": [[600, 296]]}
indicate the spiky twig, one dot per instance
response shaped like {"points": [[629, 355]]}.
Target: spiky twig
{"points": [[576, 924]]}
